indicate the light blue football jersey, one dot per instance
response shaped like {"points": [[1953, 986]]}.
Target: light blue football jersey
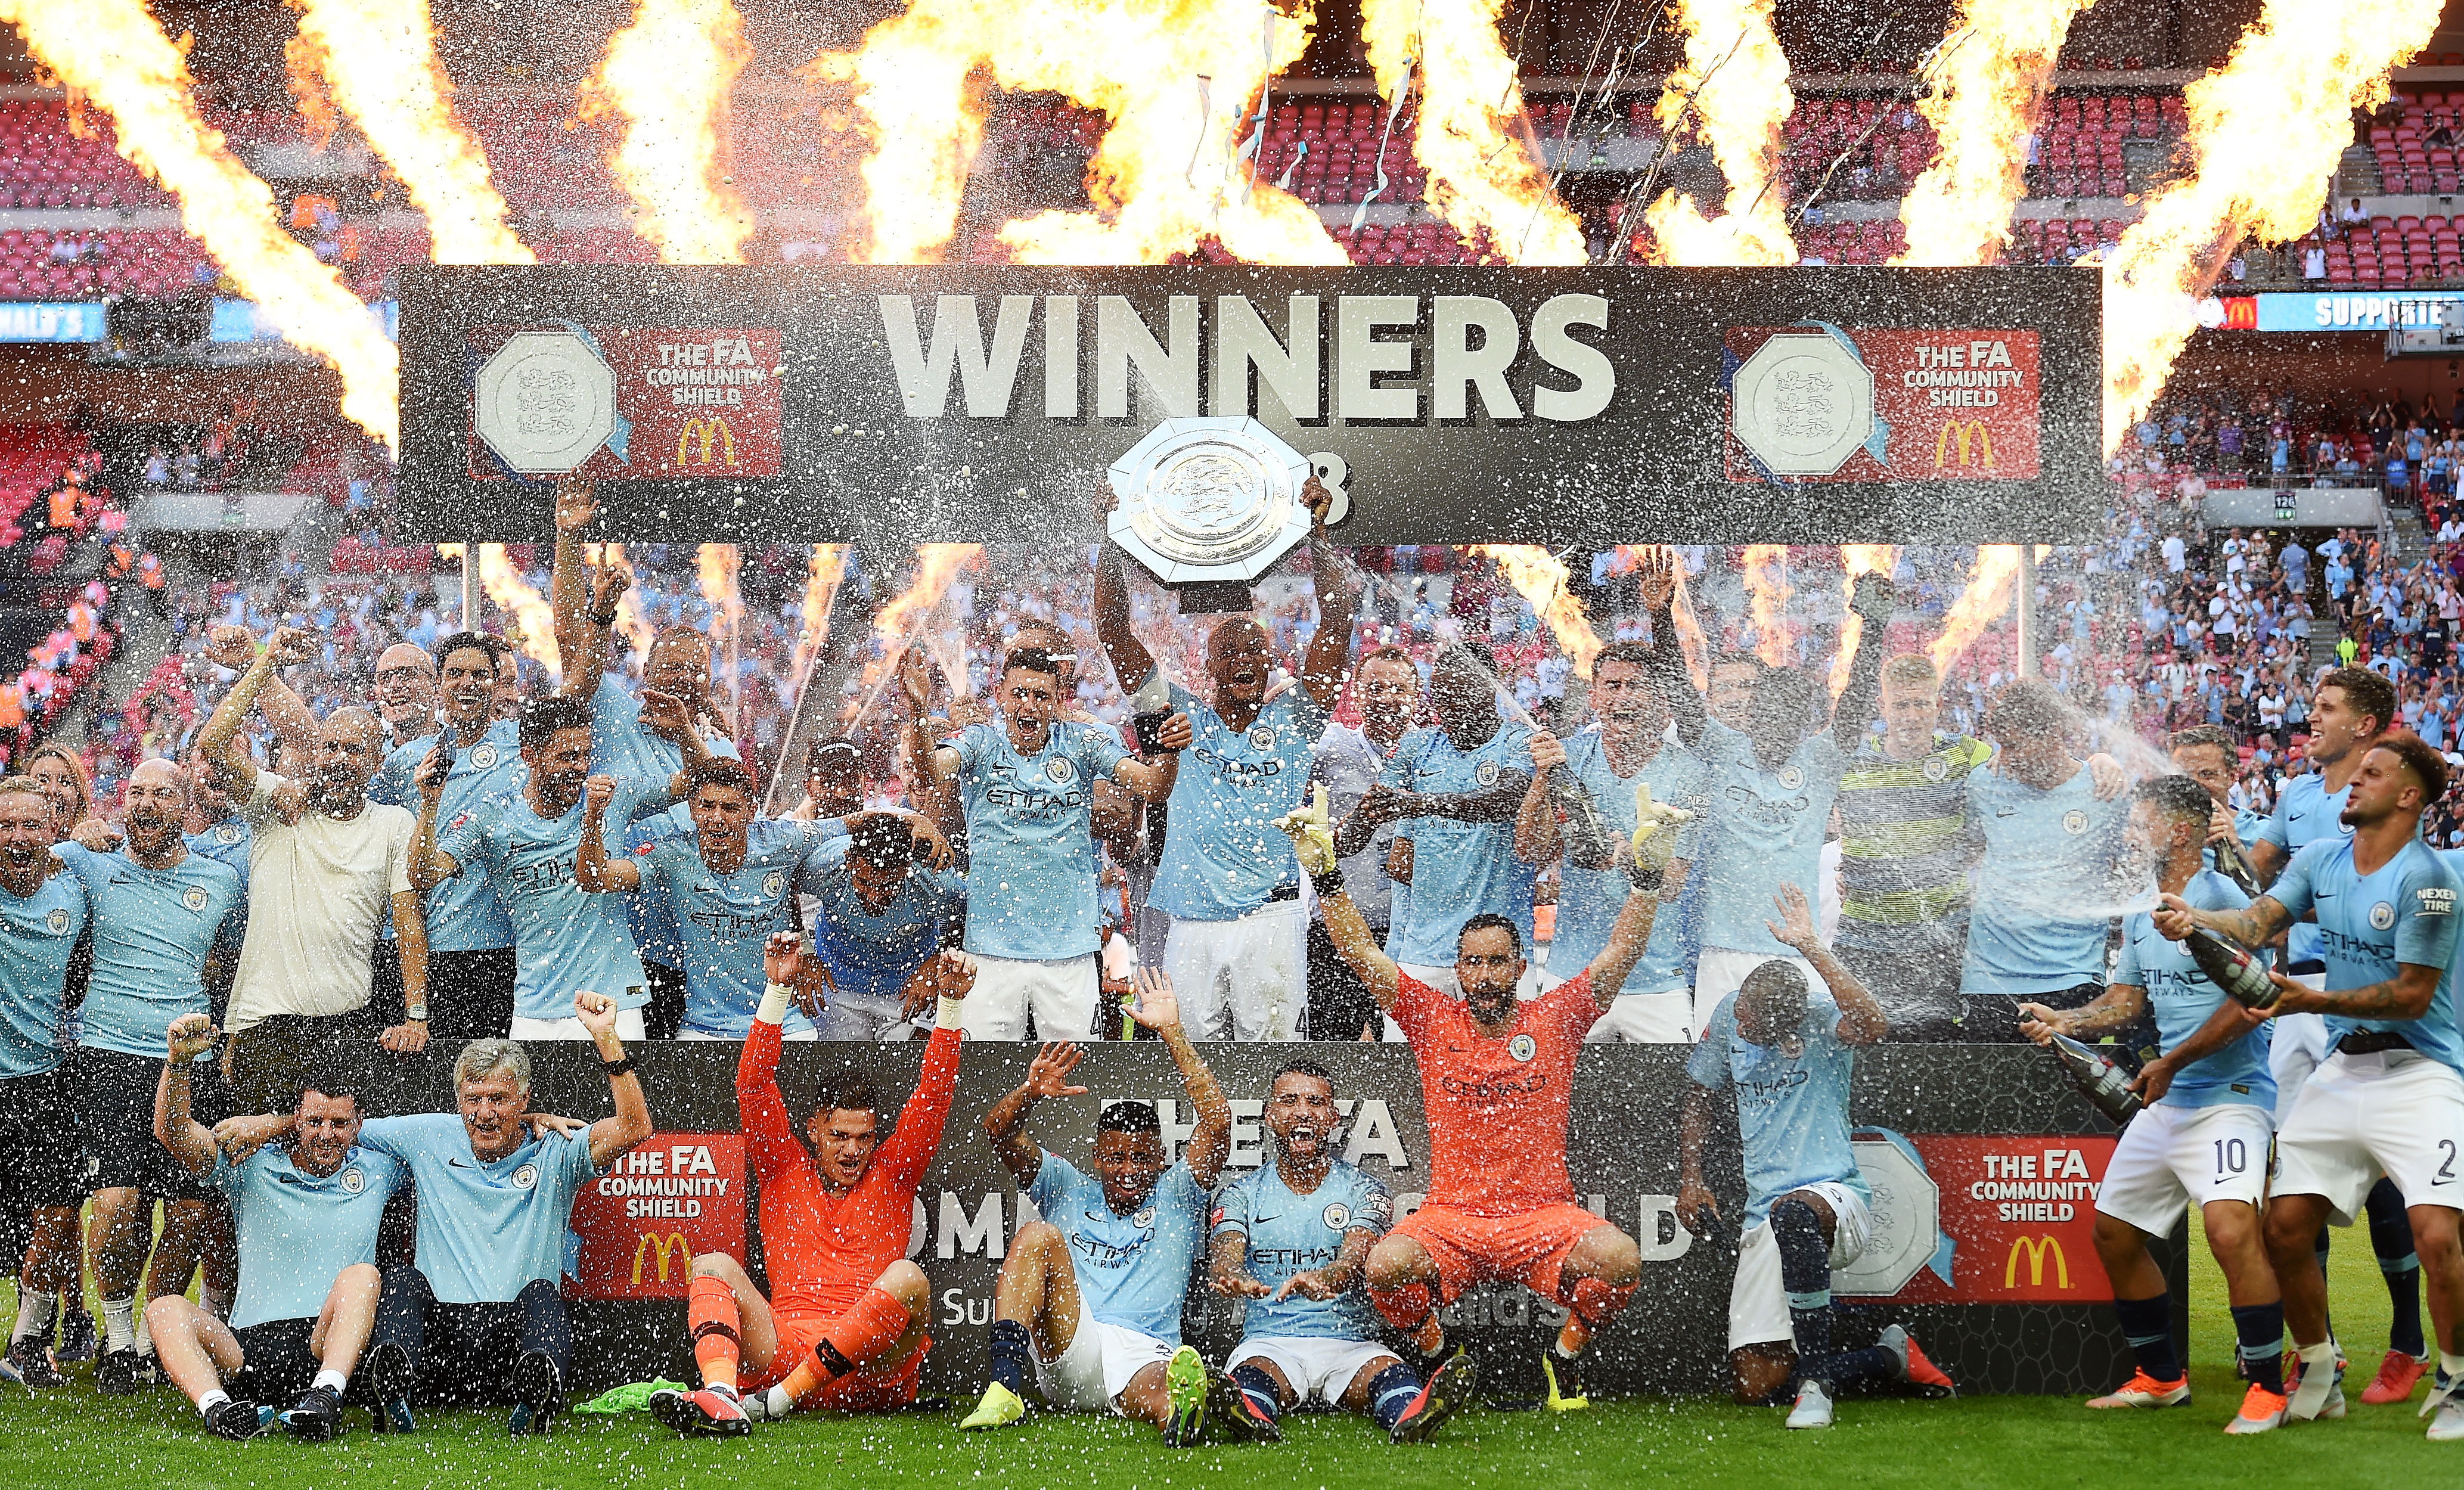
{"points": [[37, 933], [299, 1230], [2305, 812], [1290, 1233], [566, 938], [1766, 828], [1458, 869], [1589, 901], [463, 913], [485, 1230], [2047, 890], [2181, 998], [2369, 924], [1132, 1270], [152, 932], [1791, 1111], [1222, 855], [1031, 863]]}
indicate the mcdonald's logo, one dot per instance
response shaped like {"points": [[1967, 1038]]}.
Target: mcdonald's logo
{"points": [[1955, 437], [715, 431], [2035, 1247], [672, 1245], [2241, 312]]}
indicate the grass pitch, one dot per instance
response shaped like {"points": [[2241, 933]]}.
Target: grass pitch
{"points": [[72, 1439]]}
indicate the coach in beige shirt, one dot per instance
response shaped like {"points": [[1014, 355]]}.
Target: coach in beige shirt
{"points": [[325, 866]]}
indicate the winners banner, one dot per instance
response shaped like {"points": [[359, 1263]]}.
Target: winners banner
{"points": [[981, 404], [1983, 1163]]}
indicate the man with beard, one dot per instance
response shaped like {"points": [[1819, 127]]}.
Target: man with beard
{"points": [[1089, 1300], [1632, 691], [565, 939], [1497, 1083], [1387, 687], [308, 1213], [43, 915], [158, 915], [1452, 792], [1293, 1239], [1227, 878], [325, 865]]}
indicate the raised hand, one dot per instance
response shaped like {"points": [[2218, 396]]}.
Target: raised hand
{"points": [[1655, 836], [1312, 839], [230, 646], [607, 586], [576, 502], [1794, 929], [931, 845], [597, 1013], [1318, 500], [1047, 1075], [915, 679], [1655, 576], [1158, 1007], [190, 1035], [665, 716], [1875, 598], [292, 646], [596, 793], [783, 959]]}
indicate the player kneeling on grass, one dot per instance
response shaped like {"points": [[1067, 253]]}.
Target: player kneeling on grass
{"points": [[1497, 1083], [2204, 1134], [844, 1325], [1090, 1297], [307, 1214], [1293, 1239], [1788, 1057]]}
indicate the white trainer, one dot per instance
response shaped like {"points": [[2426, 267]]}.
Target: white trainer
{"points": [[1812, 1407]]}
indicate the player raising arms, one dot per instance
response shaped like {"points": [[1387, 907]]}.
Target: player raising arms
{"points": [[1497, 1082], [1787, 1057], [2389, 1097], [1090, 1297], [2204, 1132], [846, 1325], [1293, 1239]]}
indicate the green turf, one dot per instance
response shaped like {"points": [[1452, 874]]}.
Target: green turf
{"points": [[71, 1440]]}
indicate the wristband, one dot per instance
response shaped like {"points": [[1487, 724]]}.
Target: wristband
{"points": [[775, 998], [1329, 882], [949, 1013], [415, 1012], [619, 1066], [1644, 876]]}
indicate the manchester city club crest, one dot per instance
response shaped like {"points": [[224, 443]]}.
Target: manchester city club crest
{"points": [[2382, 916], [354, 1180], [1143, 1216], [773, 882], [57, 921], [1486, 774], [483, 758], [1790, 778], [193, 897], [526, 1176], [2075, 822], [1936, 768], [226, 833], [1059, 770], [1522, 1048], [1261, 737], [1338, 1216]]}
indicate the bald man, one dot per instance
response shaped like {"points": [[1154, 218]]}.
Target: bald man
{"points": [[1238, 948], [406, 694], [326, 866]]}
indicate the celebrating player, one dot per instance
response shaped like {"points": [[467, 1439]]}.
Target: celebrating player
{"points": [[1090, 1297], [1787, 1054], [1026, 790], [1293, 1239], [879, 914], [307, 1214], [1497, 1083], [478, 1316], [2389, 1098], [845, 1325], [2204, 1136], [1227, 878], [43, 917]]}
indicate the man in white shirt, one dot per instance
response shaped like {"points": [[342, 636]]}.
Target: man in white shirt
{"points": [[325, 866]]}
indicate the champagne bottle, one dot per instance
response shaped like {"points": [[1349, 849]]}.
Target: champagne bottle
{"points": [[2242, 976], [2101, 1081], [2230, 864], [1588, 839]]}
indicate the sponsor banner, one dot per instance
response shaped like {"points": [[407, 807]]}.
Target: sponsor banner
{"points": [[642, 1223], [2001, 1218], [1819, 403], [2342, 311], [616, 402], [246, 321], [981, 402], [52, 320]]}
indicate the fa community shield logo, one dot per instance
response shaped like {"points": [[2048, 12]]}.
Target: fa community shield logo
{"points": [[483, 758], [353, 1180], [1485, 772], [526, 1176], [193, 897], [2382, 916], [1060, 771], [773, 882], [2075, 822], [1522, 1048], [1338, 1216]]}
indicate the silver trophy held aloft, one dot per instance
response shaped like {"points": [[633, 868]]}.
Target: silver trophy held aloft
{"points": [[1209, 501]]}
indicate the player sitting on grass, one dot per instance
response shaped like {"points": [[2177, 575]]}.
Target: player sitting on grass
{"points": [[1293, 1239], [1090, 1297], [1787, 1057], [845, 1326], [1497, 1083], [2204, 1135], [307, 1215]]}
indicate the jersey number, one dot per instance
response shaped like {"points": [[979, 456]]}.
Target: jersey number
{"points": [[2232, 1156], [2447, 1171]]}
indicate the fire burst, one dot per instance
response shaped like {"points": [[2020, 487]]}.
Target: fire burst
{"points": [[631, 623], [822, 581], [670, 73], [530, 620], [2265, 133], [1988, 93], [1990, 584], [379, 57], [1735, 77], [1481, 177], [1855, 558], [1541, 579], [1769, 591], [111, 52], [896, 625]]}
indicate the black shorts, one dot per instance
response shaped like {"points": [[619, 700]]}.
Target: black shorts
{"points": [[278, 1366], [42, 1164], [115, 1115], [470, 994]]}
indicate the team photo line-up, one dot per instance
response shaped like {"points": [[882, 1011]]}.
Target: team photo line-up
{"points": [[187, 993]]}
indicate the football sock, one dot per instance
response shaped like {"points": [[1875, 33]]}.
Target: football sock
{"points": [[1389, 1391], [120, 1324], [1010, 1354], [710, 1306], [1805, 1276], [145, 1335], [35, 1311], [1595, 1301], [2147, 1323], [2451, 1364], [2391, 1238], [1410, 1309], [331, 1378], [2261, 1329], [865, 1332], [212, 1400], [1259, 1388]]}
